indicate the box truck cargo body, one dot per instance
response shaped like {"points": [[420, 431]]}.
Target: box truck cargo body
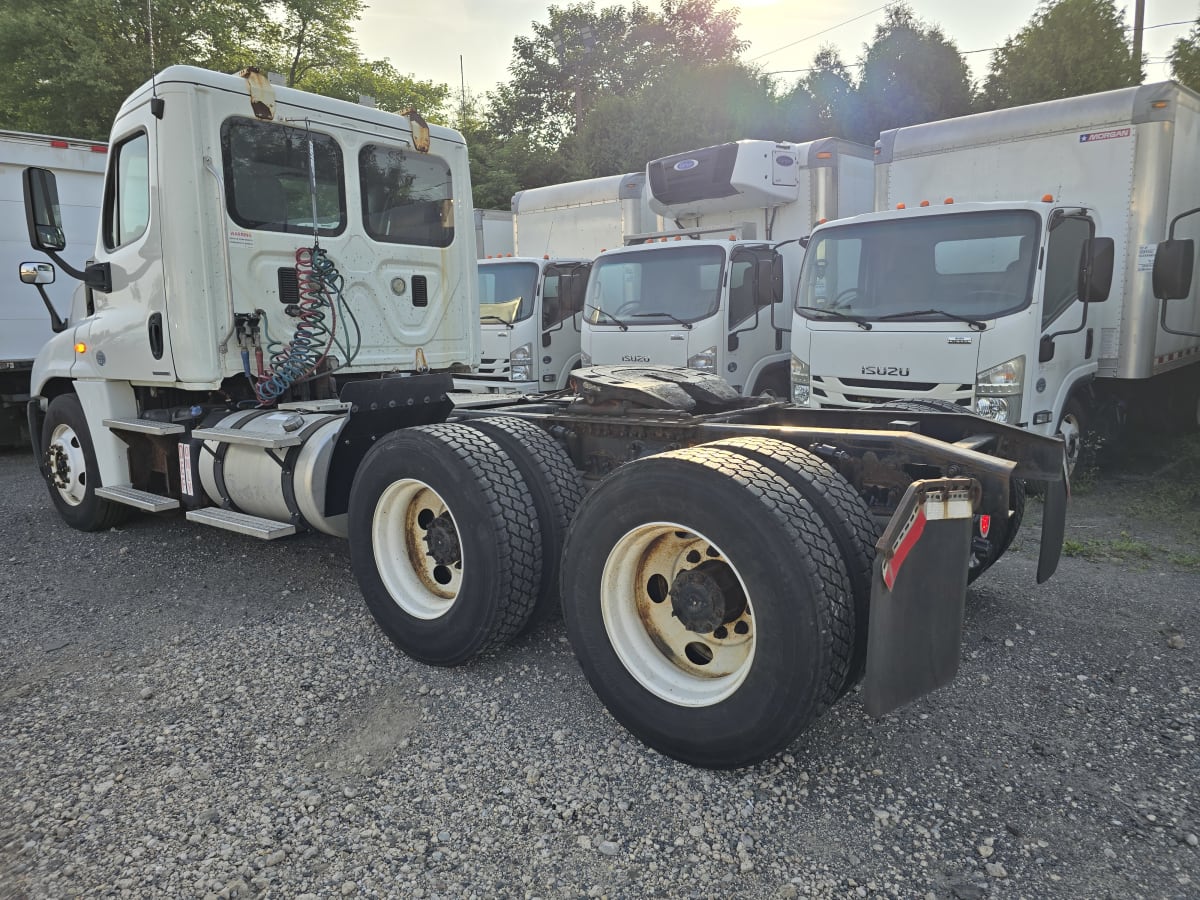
{"points": [[965, 285], [493, 233], [715, 295], [79, 168]]}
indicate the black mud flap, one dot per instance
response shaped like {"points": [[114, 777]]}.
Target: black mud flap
{"points": [[379, 406], [1054, 526], [918, 589], [35, 417]]}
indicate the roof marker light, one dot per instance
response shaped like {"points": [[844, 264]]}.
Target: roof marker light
{"points": [[824, 154], [924, 202], [949, 201], [901, 206], [1047, 198]]}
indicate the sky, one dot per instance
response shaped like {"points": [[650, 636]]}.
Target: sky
{"points": [[425, 40]]}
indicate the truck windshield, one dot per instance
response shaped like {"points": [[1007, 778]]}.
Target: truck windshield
{"points": [[975, 265], [506, 292], [678, 284]]}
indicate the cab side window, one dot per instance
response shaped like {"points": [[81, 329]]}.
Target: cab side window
{"points": [[1067, 237], [127, 192]]}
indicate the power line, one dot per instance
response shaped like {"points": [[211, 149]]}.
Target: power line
{"points": [[823, 31]]}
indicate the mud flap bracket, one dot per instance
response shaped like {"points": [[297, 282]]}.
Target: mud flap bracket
{"points": [[918, 590]]}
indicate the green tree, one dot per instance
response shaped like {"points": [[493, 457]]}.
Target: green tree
{"points": [[581, 55], [825, 102], [1185, 59], [911, 72], [1068, 48], [690, 107]]}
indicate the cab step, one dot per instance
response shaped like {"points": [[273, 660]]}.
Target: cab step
{"points": [[144, 426], [247, 438], [265, 529], [131, 496]]}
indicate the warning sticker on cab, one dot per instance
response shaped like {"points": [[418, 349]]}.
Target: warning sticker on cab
{"points": [[1105, 135], [241, 238]]}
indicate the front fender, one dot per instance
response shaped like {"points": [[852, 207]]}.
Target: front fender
{"points": [[55, 360]]}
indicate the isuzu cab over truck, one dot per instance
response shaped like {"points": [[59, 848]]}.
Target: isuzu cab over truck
{"points": [[79, 167], [283, 288], [711, 296], [1008, 267], [530, 299]]}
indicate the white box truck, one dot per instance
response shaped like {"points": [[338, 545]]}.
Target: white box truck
{"points": [[530, 311], [493, 233], [79, 167], [245, 221], [1008, 267], [712, 295]]}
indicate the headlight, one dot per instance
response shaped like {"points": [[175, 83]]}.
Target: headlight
{"points": [[705, 360], [801, 382], [998, 391], [521, 363]]}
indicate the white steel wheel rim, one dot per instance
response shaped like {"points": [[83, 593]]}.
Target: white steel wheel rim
{"points": [[65, 445], [1072, 436], [662, 655], [419, 583]]}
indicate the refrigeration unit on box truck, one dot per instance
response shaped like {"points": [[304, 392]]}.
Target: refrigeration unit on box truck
{"points": [[1008, 268], [530, 309], [715, 295], [79, 167]]}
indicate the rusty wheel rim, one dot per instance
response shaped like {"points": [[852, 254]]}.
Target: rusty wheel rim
{"points": [[417, 549], [678, 615]]}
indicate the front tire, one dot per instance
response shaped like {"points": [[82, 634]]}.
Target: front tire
{"points": [[707, 606], [443, 542], [71, 471], [1072, 428]]}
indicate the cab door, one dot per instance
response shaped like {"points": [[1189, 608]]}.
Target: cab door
{"points": [[750, 336], [1066, 322], [128, 338], [562, 321]]}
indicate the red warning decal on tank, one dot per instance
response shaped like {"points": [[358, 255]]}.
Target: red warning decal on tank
{"points": [[1105, 135]]}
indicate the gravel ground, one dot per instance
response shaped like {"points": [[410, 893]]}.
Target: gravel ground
{"points": [[191, 713]]}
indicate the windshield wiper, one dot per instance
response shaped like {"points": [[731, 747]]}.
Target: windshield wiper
{"points": [[603, 312], [667, 315], [490, 318], [975, 324], [833, 313]]}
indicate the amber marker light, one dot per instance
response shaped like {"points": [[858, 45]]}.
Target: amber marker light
{"points": [[1047, 198], [924, 203], [949, 201], [81, 347], [901, 206]]}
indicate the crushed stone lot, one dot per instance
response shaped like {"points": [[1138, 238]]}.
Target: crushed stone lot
{"points": [[187, 712]]}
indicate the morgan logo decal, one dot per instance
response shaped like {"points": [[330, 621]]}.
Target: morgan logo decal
{"points": [[684, 164], [1105, 135], [898, 371]]}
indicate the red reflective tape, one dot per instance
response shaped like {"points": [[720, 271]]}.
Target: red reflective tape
{"points": [[61, 145], [892, 568], [99, 148]]}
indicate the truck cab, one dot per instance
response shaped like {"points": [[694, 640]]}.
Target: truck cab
{"points": [[983, 305], [710, 305], [529, 318]]}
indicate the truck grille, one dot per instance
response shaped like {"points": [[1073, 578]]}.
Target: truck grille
{"points": [[855, 393], [494, 368]]}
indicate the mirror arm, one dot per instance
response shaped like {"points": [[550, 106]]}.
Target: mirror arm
{"points": [[1171, 232], [97, 276], [1082, 325], [1162, 321], [57, 323]]}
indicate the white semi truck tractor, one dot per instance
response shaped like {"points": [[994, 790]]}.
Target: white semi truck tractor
{"points": [[1008, 269], [283, 290], [713, 295]]}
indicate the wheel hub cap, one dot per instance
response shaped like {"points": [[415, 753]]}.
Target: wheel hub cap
{"points": [[706, 597], [442, 541]]}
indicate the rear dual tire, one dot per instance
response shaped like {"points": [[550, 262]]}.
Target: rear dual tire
{"points": [[708, 605]]}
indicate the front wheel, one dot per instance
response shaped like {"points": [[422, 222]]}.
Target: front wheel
{"points": [[707, 605], [72, 474]]}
